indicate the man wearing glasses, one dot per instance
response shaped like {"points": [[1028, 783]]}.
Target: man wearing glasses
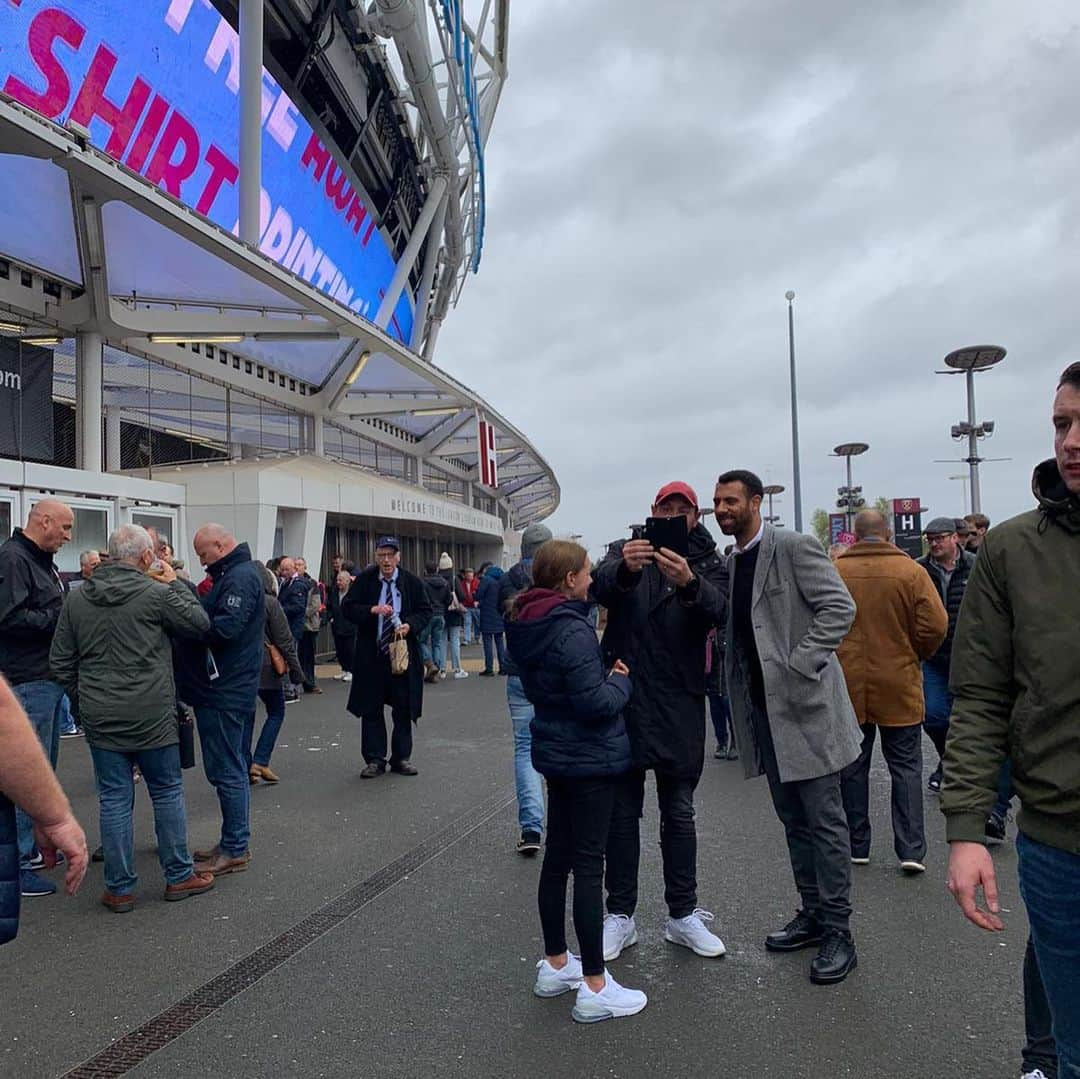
{"points": [[949, 566]]}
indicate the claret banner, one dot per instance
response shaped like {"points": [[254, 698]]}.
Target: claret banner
{"points": [[157, 84]]}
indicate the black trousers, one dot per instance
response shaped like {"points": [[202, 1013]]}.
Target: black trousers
{"points": [[345, 646], [579, 813], [307, 656], [395, 693], [1040, 1049], [819, 845], [678, 843], [902, 750]]}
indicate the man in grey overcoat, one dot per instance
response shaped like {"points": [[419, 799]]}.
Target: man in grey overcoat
{"points": [[788, 613]]}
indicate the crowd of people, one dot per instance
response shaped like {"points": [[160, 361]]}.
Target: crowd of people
{"points": [[806, 658]]}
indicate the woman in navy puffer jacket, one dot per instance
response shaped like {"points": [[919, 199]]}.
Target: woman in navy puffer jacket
{"points": [[580, 746]]}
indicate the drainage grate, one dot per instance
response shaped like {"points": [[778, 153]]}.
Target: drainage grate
{"points": [[133, 1048]]}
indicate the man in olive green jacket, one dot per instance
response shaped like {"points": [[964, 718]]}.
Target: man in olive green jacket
{"points": [[1016, 682], [112, 655]]}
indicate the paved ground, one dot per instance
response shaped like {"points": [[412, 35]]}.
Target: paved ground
{"points": [[430, 972]]}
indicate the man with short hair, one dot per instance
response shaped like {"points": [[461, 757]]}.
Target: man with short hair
{"points": [[661, 608], [1017, 697], [88, 562], [293, 594], [978, 524], [31, 596], [433, 640], [787, 614], [899, 622], [949, 567], [527, 782], [222, 682], [386, 602], [113, 656]]}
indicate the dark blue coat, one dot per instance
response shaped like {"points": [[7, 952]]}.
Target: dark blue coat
{"points": [[237, 609], [578, 729], [293, 597], [9, 872], [487, 602]]}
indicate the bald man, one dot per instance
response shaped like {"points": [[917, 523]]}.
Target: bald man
{"points": [[31, 595]]}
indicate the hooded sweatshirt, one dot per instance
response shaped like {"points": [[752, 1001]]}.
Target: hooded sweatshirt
{"points": [[578, 729]]}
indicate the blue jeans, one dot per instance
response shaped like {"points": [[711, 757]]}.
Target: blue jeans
{"points": [[1050, 883], [494, 642], [530, 788], [116, 799], [455, 647], [433, 641], [65, 720], [938, 699], [274, 699], [472, 628], [225, 761], [41, 702]]}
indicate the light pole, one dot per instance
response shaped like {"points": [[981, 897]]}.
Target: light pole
{"points": [[772, 490], [796, 484], [964, 480], [850, 496], [967, 361]]}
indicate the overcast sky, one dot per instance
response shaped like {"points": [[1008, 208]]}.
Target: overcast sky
{"points": [[659, 176]]}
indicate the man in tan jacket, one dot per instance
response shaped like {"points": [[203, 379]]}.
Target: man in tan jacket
{"points": [[900, 621]]}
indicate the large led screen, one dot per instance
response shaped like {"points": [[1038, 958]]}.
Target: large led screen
{"points": [[156, 83]]}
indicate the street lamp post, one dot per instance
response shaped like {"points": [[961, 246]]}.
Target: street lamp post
{"points": [[964, 479], [796, 484], [850, 496], [771, 491]]}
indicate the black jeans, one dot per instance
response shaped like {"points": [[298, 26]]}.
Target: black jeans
{"points": [[344, 646], [819, 844], [1040, 1049], [395, 692], [678, 843], [902, 749], [307, 657], [579, 813]]}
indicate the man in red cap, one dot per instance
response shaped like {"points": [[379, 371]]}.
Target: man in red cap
{"points": [[661, 608]]}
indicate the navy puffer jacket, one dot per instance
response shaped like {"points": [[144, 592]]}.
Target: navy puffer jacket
{"points": [[578, 729]]}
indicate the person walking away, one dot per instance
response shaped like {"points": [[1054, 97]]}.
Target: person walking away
{"points": [[661, 608], [1017, 697], [221, 682], [271, 684], [31, 595], [900, 622], [343, 630], [313, 615], [456, 614], [794, 722], [293, 592], [492, 624], [386, 602], [719, 710], [112, 654], [581, 747], [949, 567], [433, 639]]}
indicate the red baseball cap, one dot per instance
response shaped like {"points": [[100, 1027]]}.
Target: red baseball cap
{"points": [[676, 488]]}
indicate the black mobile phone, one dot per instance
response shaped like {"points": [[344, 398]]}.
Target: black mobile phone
{"points": [[669, 532]]}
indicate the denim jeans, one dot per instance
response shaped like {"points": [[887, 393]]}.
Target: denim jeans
{"points": [[530, 787], [65, 720], [41, 702], [454, 633], [226, 763], [274, 699], [1049, 883], [472, 629], [723, 727], [116, 799], [936, 695], [433, 641], [494, 642]]}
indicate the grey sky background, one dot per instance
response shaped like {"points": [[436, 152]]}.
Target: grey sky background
{"points": [[659, 176]]}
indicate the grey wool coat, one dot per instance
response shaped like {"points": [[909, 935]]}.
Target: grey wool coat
{"points": [[801, 611]]}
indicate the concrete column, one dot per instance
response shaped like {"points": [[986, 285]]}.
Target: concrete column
{"points": [[251, 56], [302, 534], [318, 436], [112, 438], [88, 381], [419, 471]]}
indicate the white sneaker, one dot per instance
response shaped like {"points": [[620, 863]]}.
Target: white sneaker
{"points": [[553, 983], [347, 676], [692, 933], [339, 676], [442, 675], [612, 1002], [461, 674], [912, 867], [619, 932], [1036, 1074]]}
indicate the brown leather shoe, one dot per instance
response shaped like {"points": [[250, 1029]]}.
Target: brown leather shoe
{"points": [[370, 771], [206, 855], [405, 768], [223, 863], [266, 774], [118, 904], [196, 884], [253, 774]]}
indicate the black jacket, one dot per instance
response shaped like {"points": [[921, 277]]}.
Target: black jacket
{"points": [[577, 729], [952, 597], [659, 632], [516, 580], [439, 593], [279, 634], [340, 626], [31, 595], [237, 610], [293, 597]]}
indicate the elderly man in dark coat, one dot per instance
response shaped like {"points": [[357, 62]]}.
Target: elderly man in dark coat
{"points": [[788, 613], [385, 600]]}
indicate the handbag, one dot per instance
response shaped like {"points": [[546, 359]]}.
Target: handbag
{"points": [[399, 656], [185, 718], [278, 662]]}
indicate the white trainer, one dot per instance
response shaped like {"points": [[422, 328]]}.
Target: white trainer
{"points": [[553, 983], [1036, 1074], [347, 676], [461, 674], [339, 676], [619, 932], [691, 932], [612, 1002]]}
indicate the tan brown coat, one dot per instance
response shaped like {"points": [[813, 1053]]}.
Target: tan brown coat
{"points": [[899, 621]]}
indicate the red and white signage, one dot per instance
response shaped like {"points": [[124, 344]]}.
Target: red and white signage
{"points": [[489, 461]]}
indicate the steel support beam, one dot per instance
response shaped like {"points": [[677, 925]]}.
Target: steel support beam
{"points": [[89, 350], [251, 64]]}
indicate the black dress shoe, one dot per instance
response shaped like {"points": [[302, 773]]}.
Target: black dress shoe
{"points": [[370, 771], [801, 932], [405, 768], [835, 960]]}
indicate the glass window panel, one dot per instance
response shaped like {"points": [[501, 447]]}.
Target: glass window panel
{"points": [[89, 533]]}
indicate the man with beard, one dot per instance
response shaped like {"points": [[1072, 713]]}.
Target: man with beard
{"points": [[788, 613], [661, 608]]}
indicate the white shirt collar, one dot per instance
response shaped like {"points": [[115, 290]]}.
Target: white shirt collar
{"points": [[754, 542]]}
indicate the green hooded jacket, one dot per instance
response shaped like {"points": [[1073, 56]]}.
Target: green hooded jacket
{"points": [[113, 656], [1015, 674]]}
